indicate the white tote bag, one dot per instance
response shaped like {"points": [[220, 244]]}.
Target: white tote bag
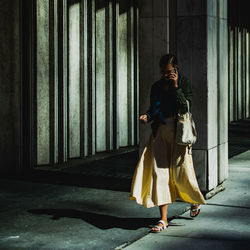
{"points": [[185, 130]]}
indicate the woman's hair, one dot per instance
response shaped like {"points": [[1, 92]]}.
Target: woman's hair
{"points": [[168, 59]]}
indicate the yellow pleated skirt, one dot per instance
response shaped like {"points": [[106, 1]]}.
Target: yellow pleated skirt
{"points": [[165, 171]]}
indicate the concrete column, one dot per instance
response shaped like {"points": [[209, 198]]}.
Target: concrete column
{"points": [[43, 83], [74, 79], [202, 53], [10, 86], [222, 91], [101, 77], [123, 74]]}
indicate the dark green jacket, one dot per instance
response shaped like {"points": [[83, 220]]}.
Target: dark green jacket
{"points": [[183, 92]]}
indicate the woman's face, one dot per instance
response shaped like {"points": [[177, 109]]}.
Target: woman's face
{"points": [[167, 70]]}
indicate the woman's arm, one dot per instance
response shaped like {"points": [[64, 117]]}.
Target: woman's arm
{"points": [[184, 93]]}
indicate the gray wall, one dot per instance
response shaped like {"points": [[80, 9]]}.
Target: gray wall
{"points": [[86, 78], [9, 86]]}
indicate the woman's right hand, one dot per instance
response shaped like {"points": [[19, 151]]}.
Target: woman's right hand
{"points": [[144, 118]]}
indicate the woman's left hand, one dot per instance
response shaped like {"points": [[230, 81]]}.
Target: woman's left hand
{"points": [[174, 77]]}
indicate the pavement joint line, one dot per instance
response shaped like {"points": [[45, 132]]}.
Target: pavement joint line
{"points": [[200, 238], [224, 205], [131, 242]]}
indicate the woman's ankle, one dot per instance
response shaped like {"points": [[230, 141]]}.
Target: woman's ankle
{"points": [[164, 219]]}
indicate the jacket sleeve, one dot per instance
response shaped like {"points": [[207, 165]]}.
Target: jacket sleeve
{"points": [[153, 112], [184, 93]]}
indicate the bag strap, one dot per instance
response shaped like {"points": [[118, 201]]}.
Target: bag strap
{"points": [[188, 105]]}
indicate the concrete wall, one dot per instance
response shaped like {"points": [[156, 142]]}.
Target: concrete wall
{"points": [[9, 86], [87, 81]]}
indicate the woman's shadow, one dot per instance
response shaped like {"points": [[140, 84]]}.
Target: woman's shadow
{"points": [[101, 221]]}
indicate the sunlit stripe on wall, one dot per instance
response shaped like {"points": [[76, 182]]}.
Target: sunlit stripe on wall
{"points": [[101, 76], [74, 78], [42, 87]]}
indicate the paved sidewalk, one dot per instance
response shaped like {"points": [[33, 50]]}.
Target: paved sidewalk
{"points": [[83, 207], [224, 223]]}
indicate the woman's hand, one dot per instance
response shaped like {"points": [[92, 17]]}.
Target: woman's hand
{"points": [[174, 77], [143, 118]]}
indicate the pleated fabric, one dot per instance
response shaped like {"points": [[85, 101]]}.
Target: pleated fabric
{"points": [[165, 171]]}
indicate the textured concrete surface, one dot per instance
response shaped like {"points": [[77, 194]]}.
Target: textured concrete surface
{"points": [[224, 223], [82, 207], [238, 137]]}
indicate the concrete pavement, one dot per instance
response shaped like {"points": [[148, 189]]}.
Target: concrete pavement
{"points": [[82, 207], [224, 223]]}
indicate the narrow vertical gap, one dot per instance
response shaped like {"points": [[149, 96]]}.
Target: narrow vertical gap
{"points": [[66, 5], [91, 77], [129, 80], [235, 74], [82, 76], [85, 62], [243, 52], [109, 77], [135, 80], [62, 81], [55, 76], [35, 81], [115, 74], [51, 80]]}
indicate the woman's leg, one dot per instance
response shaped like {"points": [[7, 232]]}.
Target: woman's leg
{"points": [[163, 211]]}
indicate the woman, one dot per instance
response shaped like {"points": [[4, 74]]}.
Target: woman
{"points": [[165, 169]]}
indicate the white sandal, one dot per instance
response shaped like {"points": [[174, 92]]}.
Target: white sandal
{"points": [[195, 209], [160, 228]]}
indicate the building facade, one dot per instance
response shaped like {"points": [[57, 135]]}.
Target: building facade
{"points": [[76, 75]]}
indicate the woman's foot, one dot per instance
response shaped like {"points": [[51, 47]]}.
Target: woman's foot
{"points": [[195, 210], [160, 226]]}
